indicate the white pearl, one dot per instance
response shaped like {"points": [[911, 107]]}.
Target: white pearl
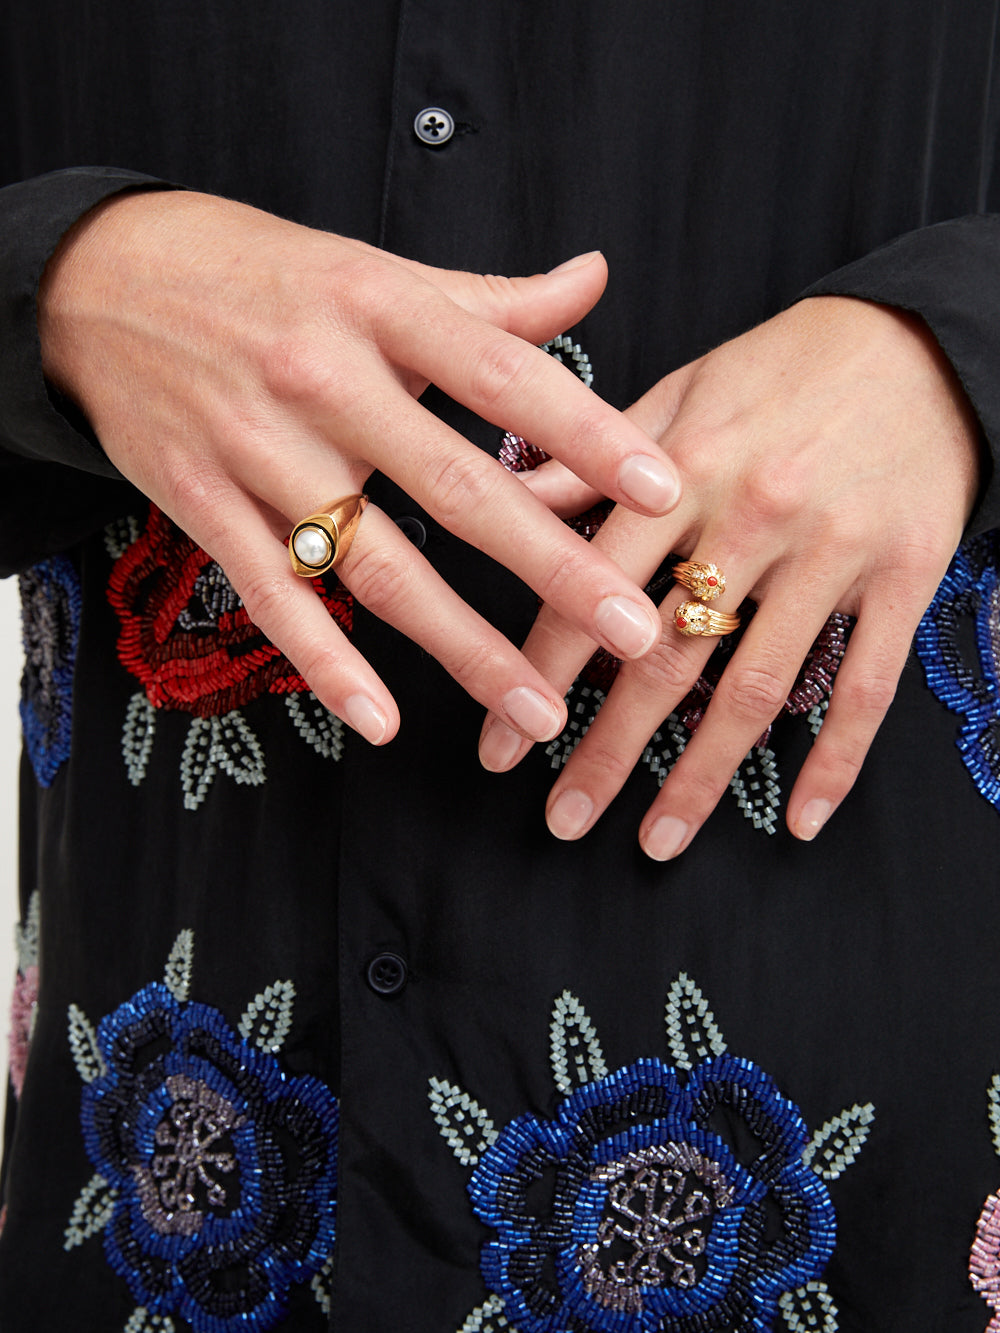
{"points": [[312, 546]]}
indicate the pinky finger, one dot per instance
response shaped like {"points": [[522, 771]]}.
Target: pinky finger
{"points": [[863, 691]]}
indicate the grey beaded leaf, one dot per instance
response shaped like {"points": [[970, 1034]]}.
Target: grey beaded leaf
{"points": [[994, 1105], [564, 349], [662, 752], [141, 1321], [26, 934], [757, 790], [584, 705], [198, 761], [267, 1019], [488, 1318], [322, 1287], [83, 1043], [236, 749], [137, 736], [836, 1145], [177, 977], [809, 1309], [317, 726], [464, 1124], [577, 1057], [91, 1212], [691, 1027], [119, 535]]}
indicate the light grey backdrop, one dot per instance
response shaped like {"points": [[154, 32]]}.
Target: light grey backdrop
{"points": [[10, 745]]}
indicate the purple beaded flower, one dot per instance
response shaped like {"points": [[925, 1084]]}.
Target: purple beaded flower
{"points": [[659, 1198], [216, 1173]]}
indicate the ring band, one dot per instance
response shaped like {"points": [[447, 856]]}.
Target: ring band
{"points": [[696, 618], [318, 542], [704, 580]]}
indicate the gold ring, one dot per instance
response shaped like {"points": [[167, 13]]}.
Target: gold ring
{"points": [[696, 618], [705, 581], [319, 541]]}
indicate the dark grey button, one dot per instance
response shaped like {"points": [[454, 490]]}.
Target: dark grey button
{"points": [[387, 974], [413, 528], [434, 125]]}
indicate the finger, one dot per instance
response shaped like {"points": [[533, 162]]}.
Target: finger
{"points": [[863, 690], [559, 489], [519, 387]]}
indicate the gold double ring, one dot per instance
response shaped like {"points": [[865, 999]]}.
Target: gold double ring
{"points": [[319, 542], [698, 619], [706, 581]]}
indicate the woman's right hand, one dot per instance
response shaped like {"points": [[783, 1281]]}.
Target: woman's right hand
{"points": [[243, 371]]}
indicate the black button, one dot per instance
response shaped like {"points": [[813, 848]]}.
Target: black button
{"points": [[434, 125], [413, 528], [387, 974]]}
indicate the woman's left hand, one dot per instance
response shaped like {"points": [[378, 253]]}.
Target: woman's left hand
{"points": [[830, 463]]}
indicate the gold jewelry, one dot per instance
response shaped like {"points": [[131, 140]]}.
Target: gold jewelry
{"points": [[696, 618], [318, 542], [705, 581]]}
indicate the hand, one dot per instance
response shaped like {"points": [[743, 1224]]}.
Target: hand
{"points": [[829, 460], [242, 371]]}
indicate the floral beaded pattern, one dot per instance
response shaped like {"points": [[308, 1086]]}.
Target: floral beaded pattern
{"points": [[215, 1184], [958, 642], [984, 1261], [660, 1198], [24, 1001], [51, 602], [187, 638]]}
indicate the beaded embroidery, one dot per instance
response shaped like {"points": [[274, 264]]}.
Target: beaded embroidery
{"points": [[984, 1261], [24, 1001], [51, 603], [188, 640], [963, 669], [659, 1198], [215, 1184]]}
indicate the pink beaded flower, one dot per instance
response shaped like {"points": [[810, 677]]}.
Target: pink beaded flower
{"points": [[984, 1262], [22, 1008]]}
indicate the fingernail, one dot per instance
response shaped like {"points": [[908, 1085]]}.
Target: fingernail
{"points": [[500, 747], [570, 814], [814, 815], [629, 628], [532, 712], [577, 262], [665, 837], [366, 718], [649, 482]]}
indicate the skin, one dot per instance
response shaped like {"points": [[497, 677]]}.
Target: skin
{"points": [[243, 371], [830, 463]]}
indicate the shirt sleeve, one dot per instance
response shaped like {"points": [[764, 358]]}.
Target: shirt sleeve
{"points": [[56, 484], [949, 274]]}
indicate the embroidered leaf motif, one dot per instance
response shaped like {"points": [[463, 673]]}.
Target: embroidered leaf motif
{"points": [[466, 1127], [834, 1147], [756, 788], [994, 1104], [198, 761], [26, 935], [137, 736], [268, 1017], [583, 708], [810, 1309], [320, 728], [177, 977], [662, 752], [322, 1287], [119, 535], [237, 750], [577, 1058], [91, 1212], [141, 1321], [83, 1043], [487, 1318], [691, 1027]]}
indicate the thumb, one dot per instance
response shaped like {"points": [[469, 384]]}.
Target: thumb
{"points": [[534, 308]]}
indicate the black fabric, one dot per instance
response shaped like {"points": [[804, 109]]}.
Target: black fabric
{"points": [[727, 158]]}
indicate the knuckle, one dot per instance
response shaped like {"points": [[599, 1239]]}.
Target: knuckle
{"points": [[379, 581], [500, 368], [599, 764], [663, 672], [753, 693], [775, 494], [867, 698], [462, 483], [267, 597], [299, 370]]}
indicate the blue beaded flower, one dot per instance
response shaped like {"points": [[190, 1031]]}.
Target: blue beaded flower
{"points": [[50, 621], [963, 669], [653, 1202], [216, 1173]]}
